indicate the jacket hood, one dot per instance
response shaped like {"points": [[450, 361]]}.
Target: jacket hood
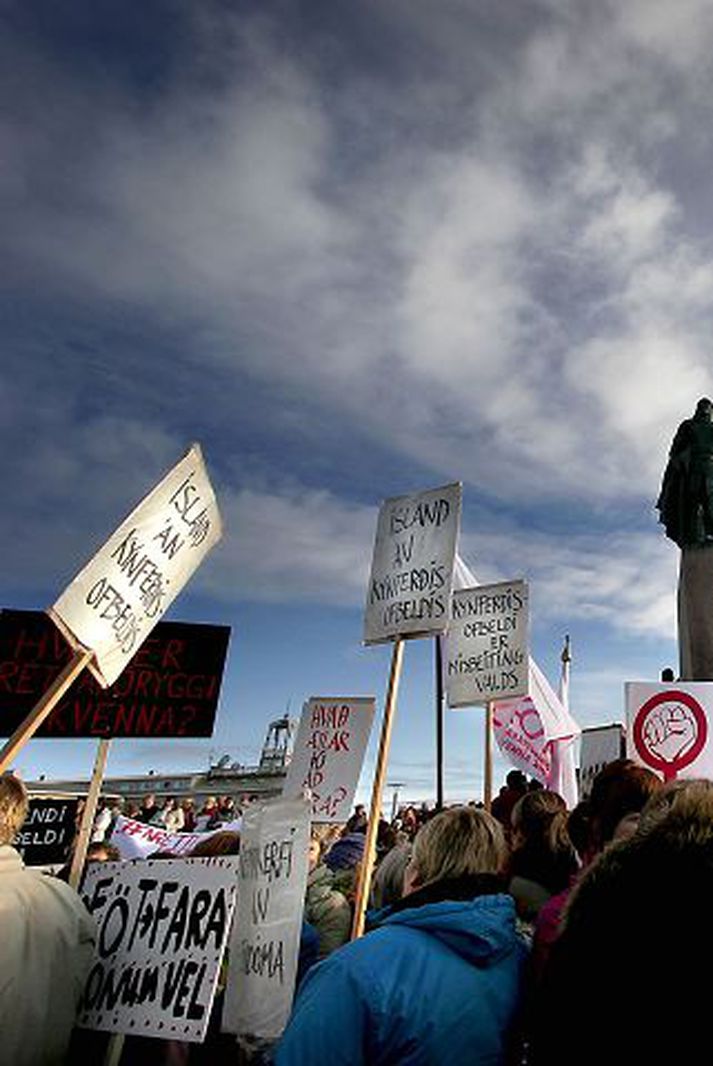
{"points": [[481, 930]]}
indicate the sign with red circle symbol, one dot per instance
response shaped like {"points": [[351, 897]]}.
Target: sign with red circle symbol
{"points": [[669, 731]]}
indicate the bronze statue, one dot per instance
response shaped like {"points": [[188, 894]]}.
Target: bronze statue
{"points": [[685, 503]]}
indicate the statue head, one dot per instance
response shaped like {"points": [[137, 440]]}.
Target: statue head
{"points": [[704, 409]]}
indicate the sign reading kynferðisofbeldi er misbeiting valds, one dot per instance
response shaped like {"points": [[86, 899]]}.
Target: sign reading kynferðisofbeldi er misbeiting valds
{"points": [[486, 646], [412, 567], [120, 595]]}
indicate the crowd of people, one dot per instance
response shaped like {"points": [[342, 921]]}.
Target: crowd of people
{"points": [[523, 935]]}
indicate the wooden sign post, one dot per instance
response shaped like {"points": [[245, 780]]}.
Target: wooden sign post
{"points": [[409, 595], [488, 749], [89, 814], [365, 871], [42, 708]]}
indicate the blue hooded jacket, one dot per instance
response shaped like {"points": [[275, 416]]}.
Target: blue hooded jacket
{"points": [[437, 983]]}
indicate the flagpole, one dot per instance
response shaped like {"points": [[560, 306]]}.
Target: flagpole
{"points": [[566, 658]]}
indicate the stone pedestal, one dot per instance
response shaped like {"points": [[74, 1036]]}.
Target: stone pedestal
{"points": [[695, 614]]}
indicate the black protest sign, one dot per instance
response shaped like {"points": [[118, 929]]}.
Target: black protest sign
{"points": [[162, 927], [47, 832], [169, 689]]}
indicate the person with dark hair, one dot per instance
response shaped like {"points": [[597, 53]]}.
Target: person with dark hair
{"points": [[619, 793], [515, 786], [542, 859], [438, 979], [358, 821], [638, 923]]}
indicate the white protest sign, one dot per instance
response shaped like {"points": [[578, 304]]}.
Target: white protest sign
{"points": [[600, 746], [162, 929], [264, 944], [328, 754], [120, 595], [486, 644], [136, 840], [668, 727], [412, 566]]}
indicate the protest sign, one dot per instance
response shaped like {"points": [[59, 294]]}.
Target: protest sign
{"points": [[48, 831], [170, 687], [328, 754], [600, 746], [668, 727], [162, 927], [529, 728], [136, 840], [116, 600], [412, 567], [486, 644], [264, 944]]}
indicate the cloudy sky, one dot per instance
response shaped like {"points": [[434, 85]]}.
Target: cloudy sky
{"points": [[357, 249]]}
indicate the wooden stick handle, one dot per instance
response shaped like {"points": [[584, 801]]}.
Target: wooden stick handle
{"points": [[488, 749], [42, 708], [114, 1049], [364, 883], [89, 814]]}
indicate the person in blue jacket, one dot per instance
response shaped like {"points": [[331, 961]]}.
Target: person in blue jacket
{"points": [[438, 978]]}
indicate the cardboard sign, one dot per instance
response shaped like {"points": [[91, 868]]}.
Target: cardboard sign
{"points": [[412, 567], [328, 754], [162, 928], [48, 832], [486, 644], [264, 945], [115, 601], [600, 746], [169, 689], [668, 727], [136, 840]]}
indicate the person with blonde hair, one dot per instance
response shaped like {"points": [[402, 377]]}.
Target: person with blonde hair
{"points": [[46, 943], [438, 977]]}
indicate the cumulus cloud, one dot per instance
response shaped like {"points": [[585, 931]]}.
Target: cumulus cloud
{"points": [[493, 286]]}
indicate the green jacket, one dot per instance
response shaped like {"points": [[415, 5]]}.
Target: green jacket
{"points": [[327, 910]]}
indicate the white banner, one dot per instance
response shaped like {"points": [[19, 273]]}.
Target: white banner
{"points": [[412, 567], [116, 600], [486, 644], [600, 746], [264, 944], [162, 929], [136, 840], [668, 727], [328, 754]]}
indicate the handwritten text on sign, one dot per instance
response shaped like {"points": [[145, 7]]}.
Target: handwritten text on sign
{"points": [[162, 928], [119, 596], [170, 688], [328, 754], [412, 567], [266, 933], [486, 646], [48, 831]]}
